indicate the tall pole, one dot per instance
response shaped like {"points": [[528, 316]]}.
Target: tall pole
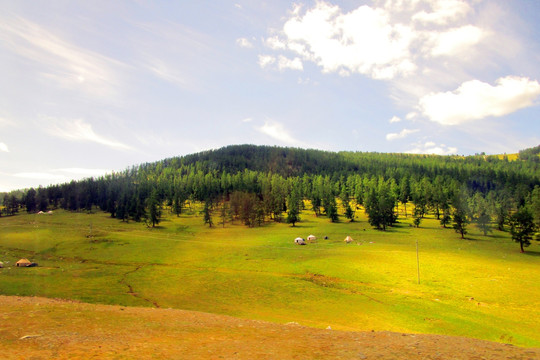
{"points": [[417, 261]]}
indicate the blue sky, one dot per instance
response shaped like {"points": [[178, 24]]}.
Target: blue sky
{"points": [[90, 87]]}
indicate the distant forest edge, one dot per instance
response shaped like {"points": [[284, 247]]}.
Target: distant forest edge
{"points": [[257, 184]]}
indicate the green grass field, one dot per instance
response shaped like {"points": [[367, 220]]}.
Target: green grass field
{"points": [[480, 287]]}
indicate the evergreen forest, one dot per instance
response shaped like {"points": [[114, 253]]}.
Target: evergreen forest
{"points": [[254, 185]]}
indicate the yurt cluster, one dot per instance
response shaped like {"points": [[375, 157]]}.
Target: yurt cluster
{"points": [[312, 238]]}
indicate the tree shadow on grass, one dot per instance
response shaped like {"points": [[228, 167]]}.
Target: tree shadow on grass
{"points": [[397, 228], [476, 238], [298, 226], [498, 235], [156, 227], [531, 253]]}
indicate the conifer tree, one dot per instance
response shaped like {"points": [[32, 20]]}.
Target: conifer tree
{"points": [[207, 213], [154, 210], [483, 222], [446, 218], [293, 201], [349, 212], [224, 213], [522, 227], [460, 221], [30, 200]]}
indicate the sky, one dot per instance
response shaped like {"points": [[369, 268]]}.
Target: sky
{"points": [[91, 87]]}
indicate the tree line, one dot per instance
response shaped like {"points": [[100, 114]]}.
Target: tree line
{"points": [[256, 184]]}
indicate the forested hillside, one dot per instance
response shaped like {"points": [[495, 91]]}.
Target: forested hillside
{"points": [[256, 184]]}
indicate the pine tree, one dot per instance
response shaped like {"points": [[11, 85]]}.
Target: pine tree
{"points": [[446, 218], [154, 210], [293, 201], [483, 222], [404, 192], [207, 213], [30, 200], [460, 222], [522, 227], [224, 213], [349, 212], [380, 204]]}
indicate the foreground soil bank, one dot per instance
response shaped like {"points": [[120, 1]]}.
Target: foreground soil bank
{"points": [[40, 328]]}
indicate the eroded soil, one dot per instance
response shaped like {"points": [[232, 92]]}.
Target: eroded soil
{"points": [[39, 328]]}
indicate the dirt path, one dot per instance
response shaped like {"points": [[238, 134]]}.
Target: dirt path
{"points": [[39, 328]]}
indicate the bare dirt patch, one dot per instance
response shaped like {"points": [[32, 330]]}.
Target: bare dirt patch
{"points": [[40, 328]]}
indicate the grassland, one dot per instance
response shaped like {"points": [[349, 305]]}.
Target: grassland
{"points": [[481, 287]]}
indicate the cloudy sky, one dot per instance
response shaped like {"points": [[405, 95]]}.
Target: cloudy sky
{"points": [[89, 87]]}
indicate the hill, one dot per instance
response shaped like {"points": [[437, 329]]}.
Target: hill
{"points": [[270, 173], [213, 232]]}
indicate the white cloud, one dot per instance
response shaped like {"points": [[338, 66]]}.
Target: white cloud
{"points": [[275, 43], [65, 64], [243, 42], [411, 115], [455, 41], [293, 64], [443, 12], [394, 119], [246, 120], [432, 148], [387, 40], [477, 100], [278, 132], [403, 133], [281, 62], [265, 60], [78, 130], [3, 147], [362, 41]]}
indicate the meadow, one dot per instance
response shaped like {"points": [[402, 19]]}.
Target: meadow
{"points": [[480, 287]]}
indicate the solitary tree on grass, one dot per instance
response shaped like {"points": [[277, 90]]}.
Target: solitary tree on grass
{"points": [[522, 227], [293, 215], [460, 222], [461, 213], [207, 213]]}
